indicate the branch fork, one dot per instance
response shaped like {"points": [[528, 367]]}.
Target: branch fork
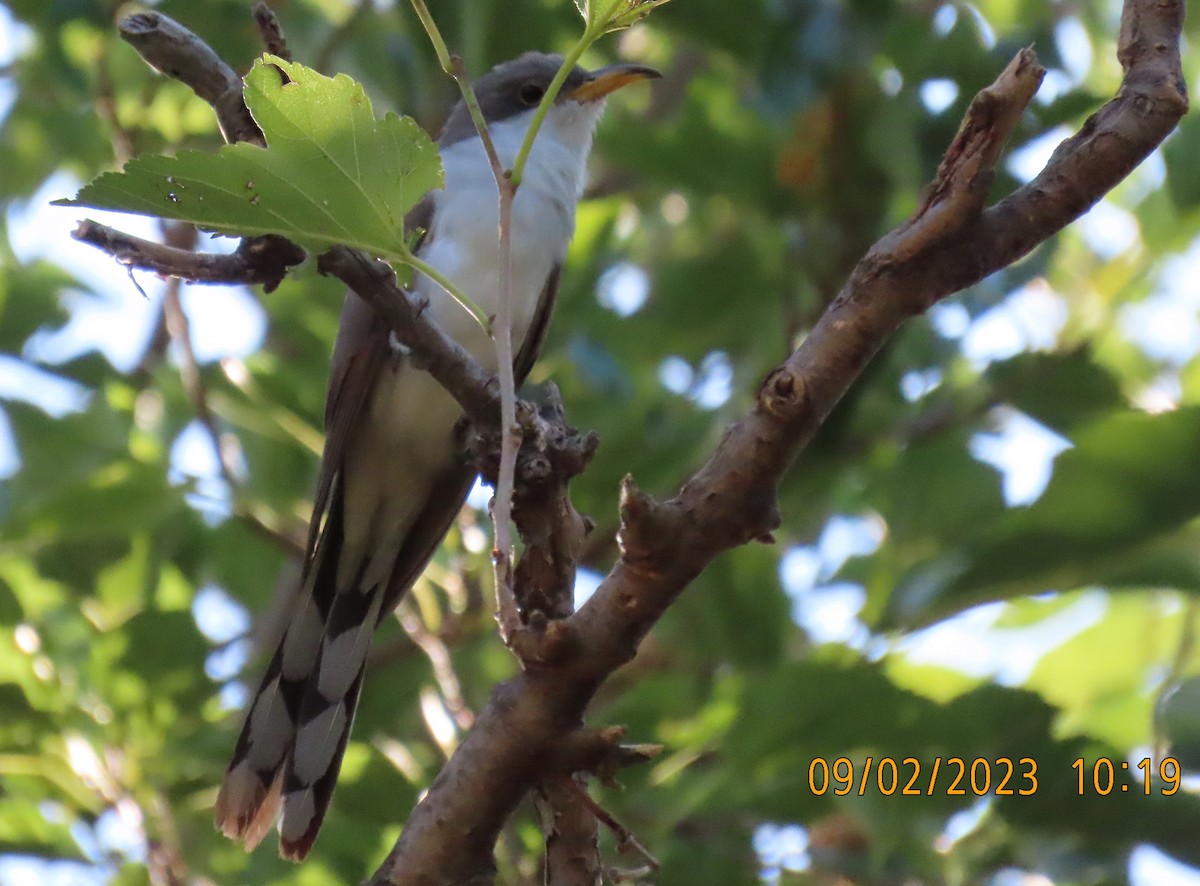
{"points": [[958, 192]]}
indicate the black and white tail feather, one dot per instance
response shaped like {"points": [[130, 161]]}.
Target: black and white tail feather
{"points": [[287, 757], [290, 748], [296, 730]]}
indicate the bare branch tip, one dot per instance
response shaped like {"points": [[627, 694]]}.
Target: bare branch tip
{"points": [[270, 30], [1026, 61], [138, 24], [635, 505]]}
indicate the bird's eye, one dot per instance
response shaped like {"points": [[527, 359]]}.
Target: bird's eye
{"points": [[531, 94]]}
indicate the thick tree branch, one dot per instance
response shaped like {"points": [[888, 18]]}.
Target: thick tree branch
{"points": [[730, 499], [948, 245]]}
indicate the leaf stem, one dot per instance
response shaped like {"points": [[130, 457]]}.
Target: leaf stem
{"points": [[590, 34], [435, 36], [454, 292]]}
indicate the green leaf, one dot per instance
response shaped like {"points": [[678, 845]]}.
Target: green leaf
{"points": [[1061, 390], [1098, 678], [25, 830], [331, 174], [164, 649], [618, 14], [28, 302], [736, 612], [1183, 176], [1111, 515]]}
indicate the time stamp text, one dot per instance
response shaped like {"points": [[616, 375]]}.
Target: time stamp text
{"points": [[980, 776]]}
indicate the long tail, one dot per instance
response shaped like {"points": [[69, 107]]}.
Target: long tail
{"points": [[326, 715], [251, 794], [290, 750]]}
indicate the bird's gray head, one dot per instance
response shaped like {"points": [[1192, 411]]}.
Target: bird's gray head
{"points": [[516, 87]]}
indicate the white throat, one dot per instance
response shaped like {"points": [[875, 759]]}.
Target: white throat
{"points": [[463, 240]]}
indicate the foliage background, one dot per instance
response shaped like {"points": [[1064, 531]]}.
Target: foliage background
{"points": [[727, 207]]}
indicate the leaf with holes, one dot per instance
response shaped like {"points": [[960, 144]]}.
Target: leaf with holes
{"points": [[331, 172]]}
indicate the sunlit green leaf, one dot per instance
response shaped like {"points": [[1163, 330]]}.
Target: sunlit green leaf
{"points": [[331, 174]]}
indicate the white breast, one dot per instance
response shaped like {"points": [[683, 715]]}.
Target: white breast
{"points": [[464, 239], [412, 417]]}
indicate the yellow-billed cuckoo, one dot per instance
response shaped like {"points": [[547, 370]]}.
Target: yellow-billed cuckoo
{"points": [[393, 476]]}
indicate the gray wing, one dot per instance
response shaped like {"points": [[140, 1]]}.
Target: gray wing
{"points": [[452, 486], [360, 350], [536, 336]]}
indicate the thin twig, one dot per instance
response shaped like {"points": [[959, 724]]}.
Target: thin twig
{"points": [[262, 260], [626, 839], [507, 613], [572, 850], [189, 368]]}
